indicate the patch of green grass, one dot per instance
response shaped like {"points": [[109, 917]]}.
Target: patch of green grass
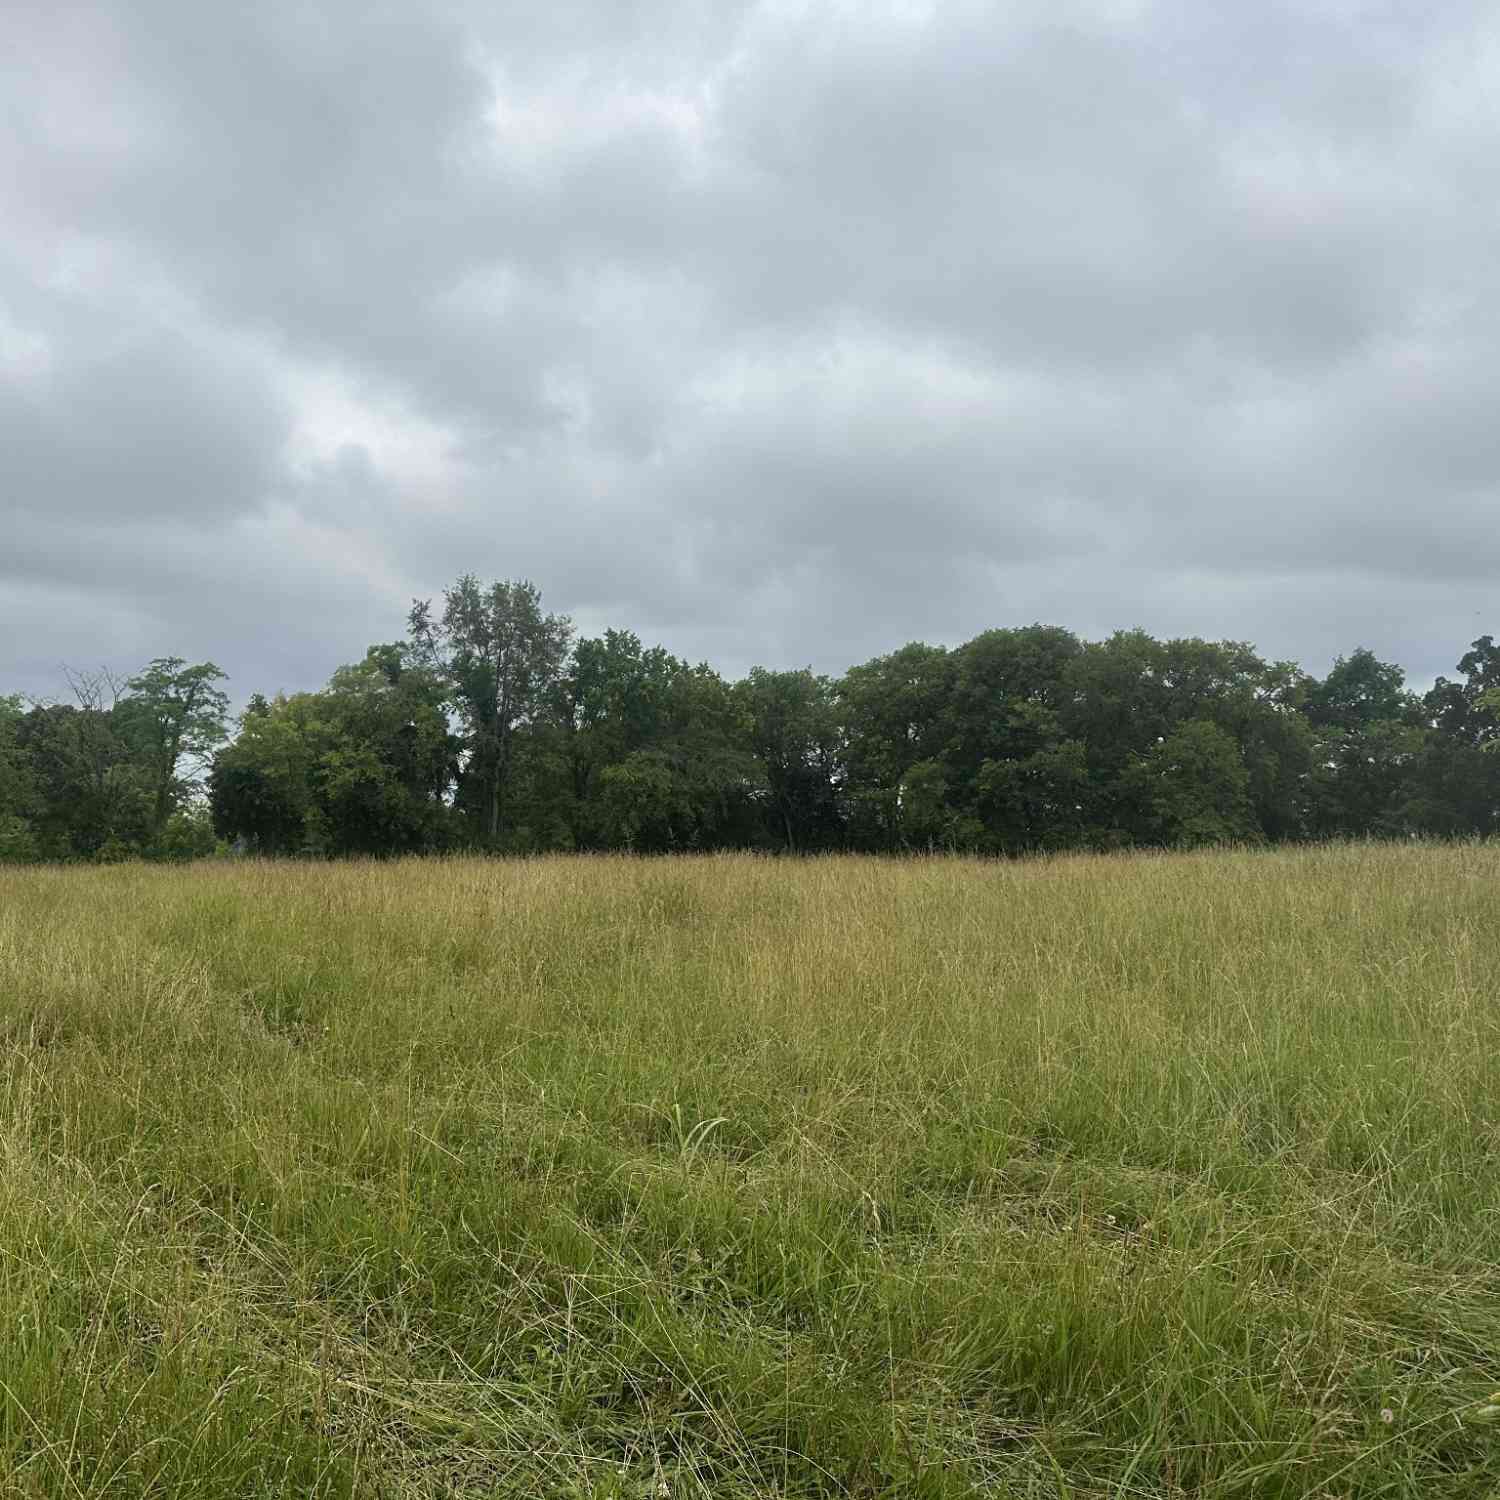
{"points": [[1087, 1177]]}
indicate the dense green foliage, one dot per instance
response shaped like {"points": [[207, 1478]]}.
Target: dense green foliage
{"points": [[1082, 1178], [117, 771], [491, 726]]}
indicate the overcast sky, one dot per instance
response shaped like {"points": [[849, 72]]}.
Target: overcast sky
{"points": [[780, 333]]}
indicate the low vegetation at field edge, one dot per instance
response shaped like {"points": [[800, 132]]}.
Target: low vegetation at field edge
{"points": [[1090, 1177]]}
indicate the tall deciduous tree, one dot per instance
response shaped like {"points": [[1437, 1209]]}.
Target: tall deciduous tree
{"points": [[614, 701], [794, 733], [1016, 779], [177, 715], [18, 793], [1129, 694], [892, 711], [503, 657], [695, 785], [1367, 733], [1463, 711], [1489, 700], [1455, 785], [92, 799], [363, 767], [1194, 788]]}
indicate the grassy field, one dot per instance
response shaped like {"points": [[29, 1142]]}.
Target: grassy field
{"points": [[1091, 1177]]}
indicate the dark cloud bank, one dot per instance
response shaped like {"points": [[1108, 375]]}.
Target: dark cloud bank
{"points": [[779, 332]]}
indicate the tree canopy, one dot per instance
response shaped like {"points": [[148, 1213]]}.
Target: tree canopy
{"points": [[492, 725]]}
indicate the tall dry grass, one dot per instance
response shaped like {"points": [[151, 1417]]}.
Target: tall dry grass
{"points": [[1168, 1176]]}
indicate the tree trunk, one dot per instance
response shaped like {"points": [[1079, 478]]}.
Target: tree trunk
{"points": [[164, 786]]}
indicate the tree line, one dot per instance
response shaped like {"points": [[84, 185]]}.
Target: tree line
{"points": [[492, 725]]}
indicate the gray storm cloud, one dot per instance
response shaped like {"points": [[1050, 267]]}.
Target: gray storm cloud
{"points": [[779, 332]]}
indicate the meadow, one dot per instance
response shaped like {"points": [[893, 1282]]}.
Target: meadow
{"points": [[1080, 1177]]}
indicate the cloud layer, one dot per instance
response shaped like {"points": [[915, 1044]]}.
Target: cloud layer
{"points": [[780, 332]]}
